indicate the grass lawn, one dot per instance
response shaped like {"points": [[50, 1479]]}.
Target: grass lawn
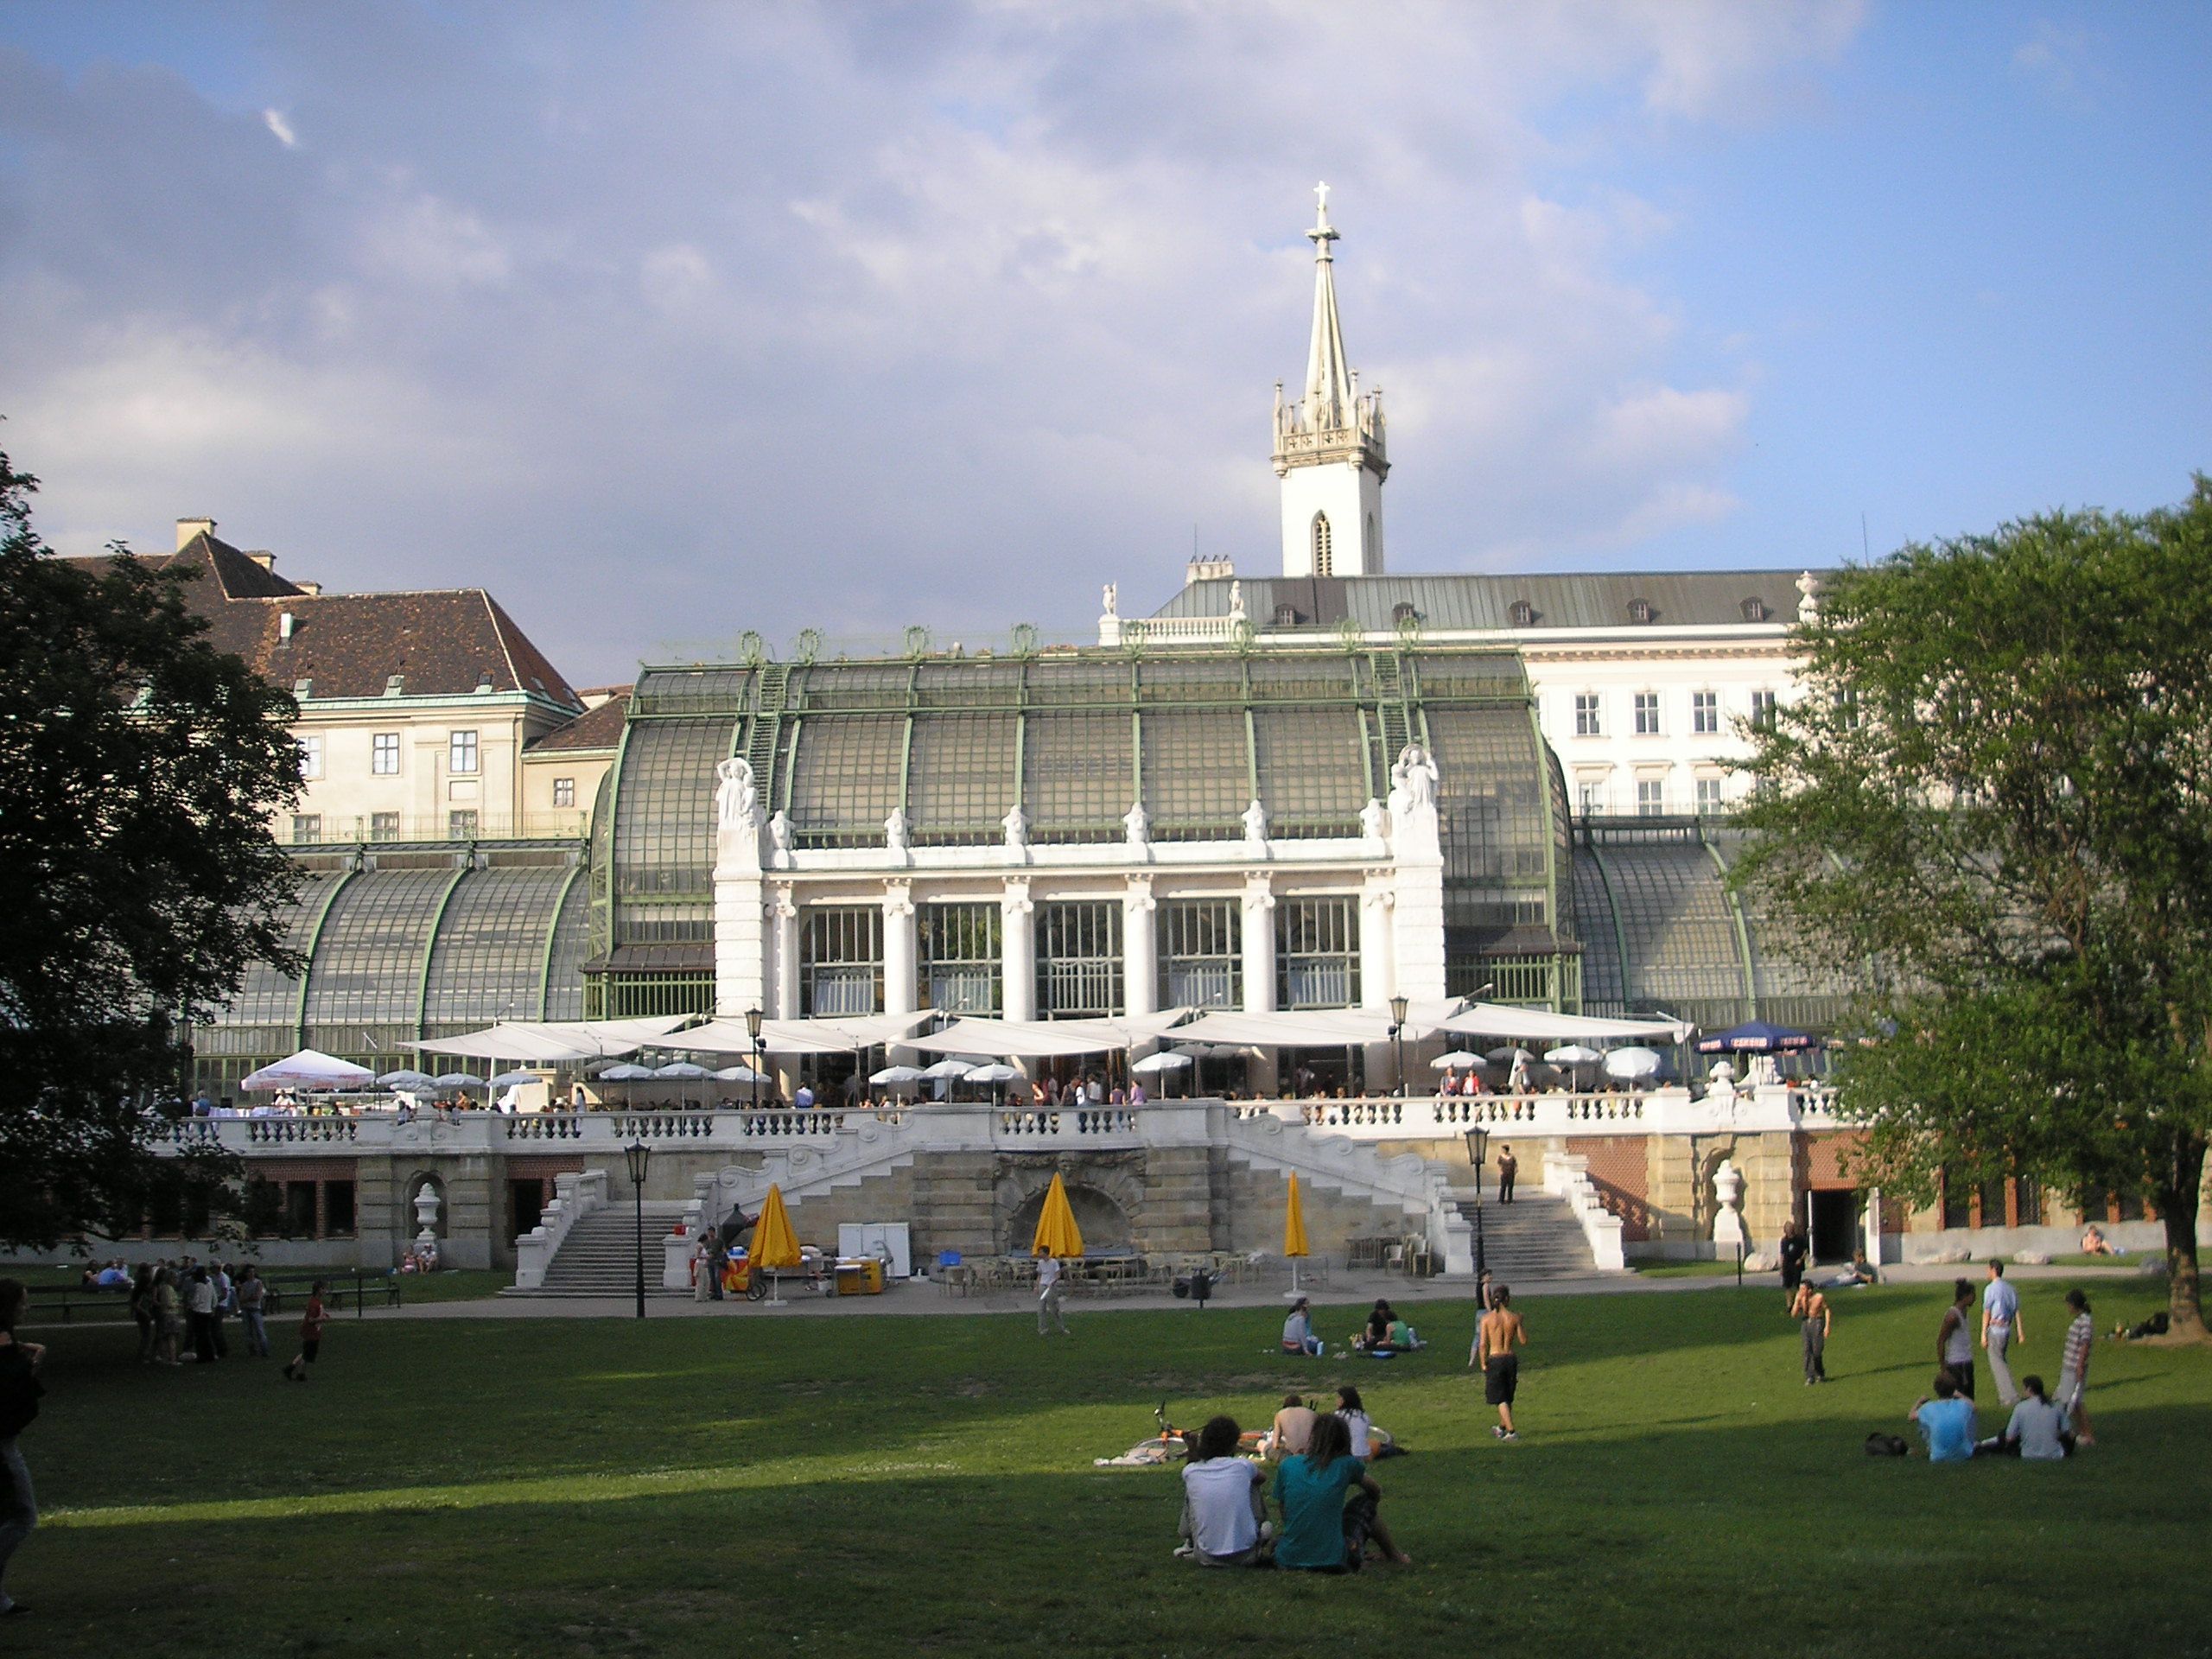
{"points": [[856, 1484]]}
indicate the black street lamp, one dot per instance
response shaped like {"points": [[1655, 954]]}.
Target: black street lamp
{"points": [[753, 1030], [1398, 1039], [1478, 1149], [638, 1155]]}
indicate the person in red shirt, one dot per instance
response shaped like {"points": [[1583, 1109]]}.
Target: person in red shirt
{"points": [[311, 1323]]}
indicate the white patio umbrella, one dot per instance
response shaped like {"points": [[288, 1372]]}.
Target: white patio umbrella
{"points": [[896, 1074], [308, 1069], [1573, 1055], [625, 1072], [1153, 1064], [738, 1074], [1459, 1060], [681, 1068], [406, 1079], [997, 1071], [515, 1079], [1510, 1053], [1633, 1065], [952, 1070], [457, 1080]]}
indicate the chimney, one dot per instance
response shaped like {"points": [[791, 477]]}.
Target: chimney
{"points": [[188, 528], [312, 590], [264, 557]]}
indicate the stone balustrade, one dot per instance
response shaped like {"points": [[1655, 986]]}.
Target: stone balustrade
{"points": [[574, 1197]]}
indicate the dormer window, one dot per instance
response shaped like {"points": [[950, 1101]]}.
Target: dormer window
{"points": [[303, 688], [1755, 610], [1403, 614], [1524, 613], [484, 680], [394, 684], [1285, 616], [1639, 610]]}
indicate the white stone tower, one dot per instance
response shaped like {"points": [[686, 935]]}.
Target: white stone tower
{"points": [[1329, 451]]}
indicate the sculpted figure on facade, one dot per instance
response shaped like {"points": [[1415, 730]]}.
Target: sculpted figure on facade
{"points": [[1016, 824], [1412, 781], [1809, 604], [1016, 901], [1374, 820], [1236, 601], [737, 811], [779, 836], [1136, 824], [895, 835], [898, 900], [1112, 596], [1256, 824]]}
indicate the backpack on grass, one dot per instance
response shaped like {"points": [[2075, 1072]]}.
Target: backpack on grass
{"points": [[1885, 1446]]}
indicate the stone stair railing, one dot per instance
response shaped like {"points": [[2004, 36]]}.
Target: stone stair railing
{"points": [[1422, 1188], [1567, 1176], [574, 1197]]}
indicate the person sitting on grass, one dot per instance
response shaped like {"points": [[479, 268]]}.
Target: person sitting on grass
{"points": [[1298, 1336], [1947, 1420], [1399, 1338], [2093, 1242], [1378, 1328], [1225, 1509], [2039, 1428], [1357, 1422], [1322, 1532], [1291, 1430]]}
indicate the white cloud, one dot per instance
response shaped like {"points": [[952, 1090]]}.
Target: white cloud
{"points": [[275, 122]]}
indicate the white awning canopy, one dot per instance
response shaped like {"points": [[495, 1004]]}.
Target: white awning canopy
{"points": [[1032, 1039], [550, 1041], [1498, 1019], [834, 1036], [1347, 1027], [308, 1069]]}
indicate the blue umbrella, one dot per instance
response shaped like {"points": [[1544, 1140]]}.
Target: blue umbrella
{"points": [[1757, 1036]]}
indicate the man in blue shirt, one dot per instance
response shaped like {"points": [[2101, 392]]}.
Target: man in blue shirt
{"points": [[1947, 1420], [2001, 1328]]}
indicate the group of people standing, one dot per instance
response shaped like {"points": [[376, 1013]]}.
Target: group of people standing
{"points": [[2043, 1424], [174, 1302]]}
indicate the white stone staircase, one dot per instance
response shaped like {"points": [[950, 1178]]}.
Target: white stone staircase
{"points": [[1537, 1236], [599, 1257]]}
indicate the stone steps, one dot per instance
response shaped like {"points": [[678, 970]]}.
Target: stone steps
{"points": [[600, 1255], [1534, 1238]]}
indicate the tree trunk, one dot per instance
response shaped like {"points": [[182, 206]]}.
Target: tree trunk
{"points": [[2178, 1210]]}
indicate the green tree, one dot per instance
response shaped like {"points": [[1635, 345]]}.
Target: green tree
{"points": [[139, 767], [1997, 792]]}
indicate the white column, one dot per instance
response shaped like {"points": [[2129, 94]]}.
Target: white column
{"points": [[900, 995], [1417, 882], [1378, 976], [740, 943], [1140, 954], [783, 916], [1259, 945], [1018, 943]]}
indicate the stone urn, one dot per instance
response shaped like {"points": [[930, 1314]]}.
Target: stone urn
{"points": [[1727, 1215]]}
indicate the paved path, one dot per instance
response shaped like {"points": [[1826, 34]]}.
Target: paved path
{"points": [[922, 1297]]}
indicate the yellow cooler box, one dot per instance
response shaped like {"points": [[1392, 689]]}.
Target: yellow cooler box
{"points": [[860, 1278]]}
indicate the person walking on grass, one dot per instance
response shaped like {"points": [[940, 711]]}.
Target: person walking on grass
{"points": [[2073, 1368], [2000, 1328], [1051, 1291], [1793, 1250], [20, 1390], [1955, 1338], [311, 1323], [1815, 1318], [1496, 1338], [253, 1302]]}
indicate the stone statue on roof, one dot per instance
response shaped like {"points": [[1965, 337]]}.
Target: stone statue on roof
{"points": [[895, 835], [1016, 824], [1374, 820], [1113, 599], [737, 803], [779, 833], [1136, 825], [1412, 781], [1256, 824]]}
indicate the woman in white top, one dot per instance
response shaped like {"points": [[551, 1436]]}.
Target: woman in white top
{"points": [[1349, 1407]]}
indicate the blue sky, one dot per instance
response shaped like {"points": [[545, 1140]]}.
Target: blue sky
{"points": [[668, 321]]}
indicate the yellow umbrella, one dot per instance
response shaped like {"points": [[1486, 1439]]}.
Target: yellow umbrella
{"points": [[1057, 1233], [774, 1244], [1294, 1232]]}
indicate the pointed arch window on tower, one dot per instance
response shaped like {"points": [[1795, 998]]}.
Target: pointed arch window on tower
{"points": [[1324, 554]]}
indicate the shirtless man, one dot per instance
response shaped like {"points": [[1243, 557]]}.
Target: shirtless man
{"points": [[1810, 1310], [1291, 1430], [1500, 1332]]}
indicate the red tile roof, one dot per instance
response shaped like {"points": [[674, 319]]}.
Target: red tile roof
{"points": [[595, 728]]}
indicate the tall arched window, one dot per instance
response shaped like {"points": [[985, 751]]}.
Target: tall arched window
{"points": [[1324, 556]]}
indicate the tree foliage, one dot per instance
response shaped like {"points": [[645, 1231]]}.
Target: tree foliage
{"points": [[1996, 792], [139, 768]]}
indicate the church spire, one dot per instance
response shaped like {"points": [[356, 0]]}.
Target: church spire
{"points": [[1328, 378], [1329, 448]]}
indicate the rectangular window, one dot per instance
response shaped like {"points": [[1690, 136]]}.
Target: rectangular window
{"points": [[1958, 1200], [958, 958], [2027, 1199], [311, 757], [460, 751], [307, 828], [1762, 705], [383, 826], [338, 1209], [1651, 797], [1647, 713], [840, 961], [1587, 722], [564, 791], [1992, 1196], [299, 1209], [1317, 953], [460, 824], [1708, 795], [1080, 959], [1590, 798], [384, 754], [1201, 953], [1705, 713]]}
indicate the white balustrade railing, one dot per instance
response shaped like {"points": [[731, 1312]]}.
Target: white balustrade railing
{"points": [[574, 1197], [1568, 1177]]}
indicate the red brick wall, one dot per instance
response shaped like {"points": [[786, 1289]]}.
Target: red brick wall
{"points": [[1620, 1169], [1826, 1156]]}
